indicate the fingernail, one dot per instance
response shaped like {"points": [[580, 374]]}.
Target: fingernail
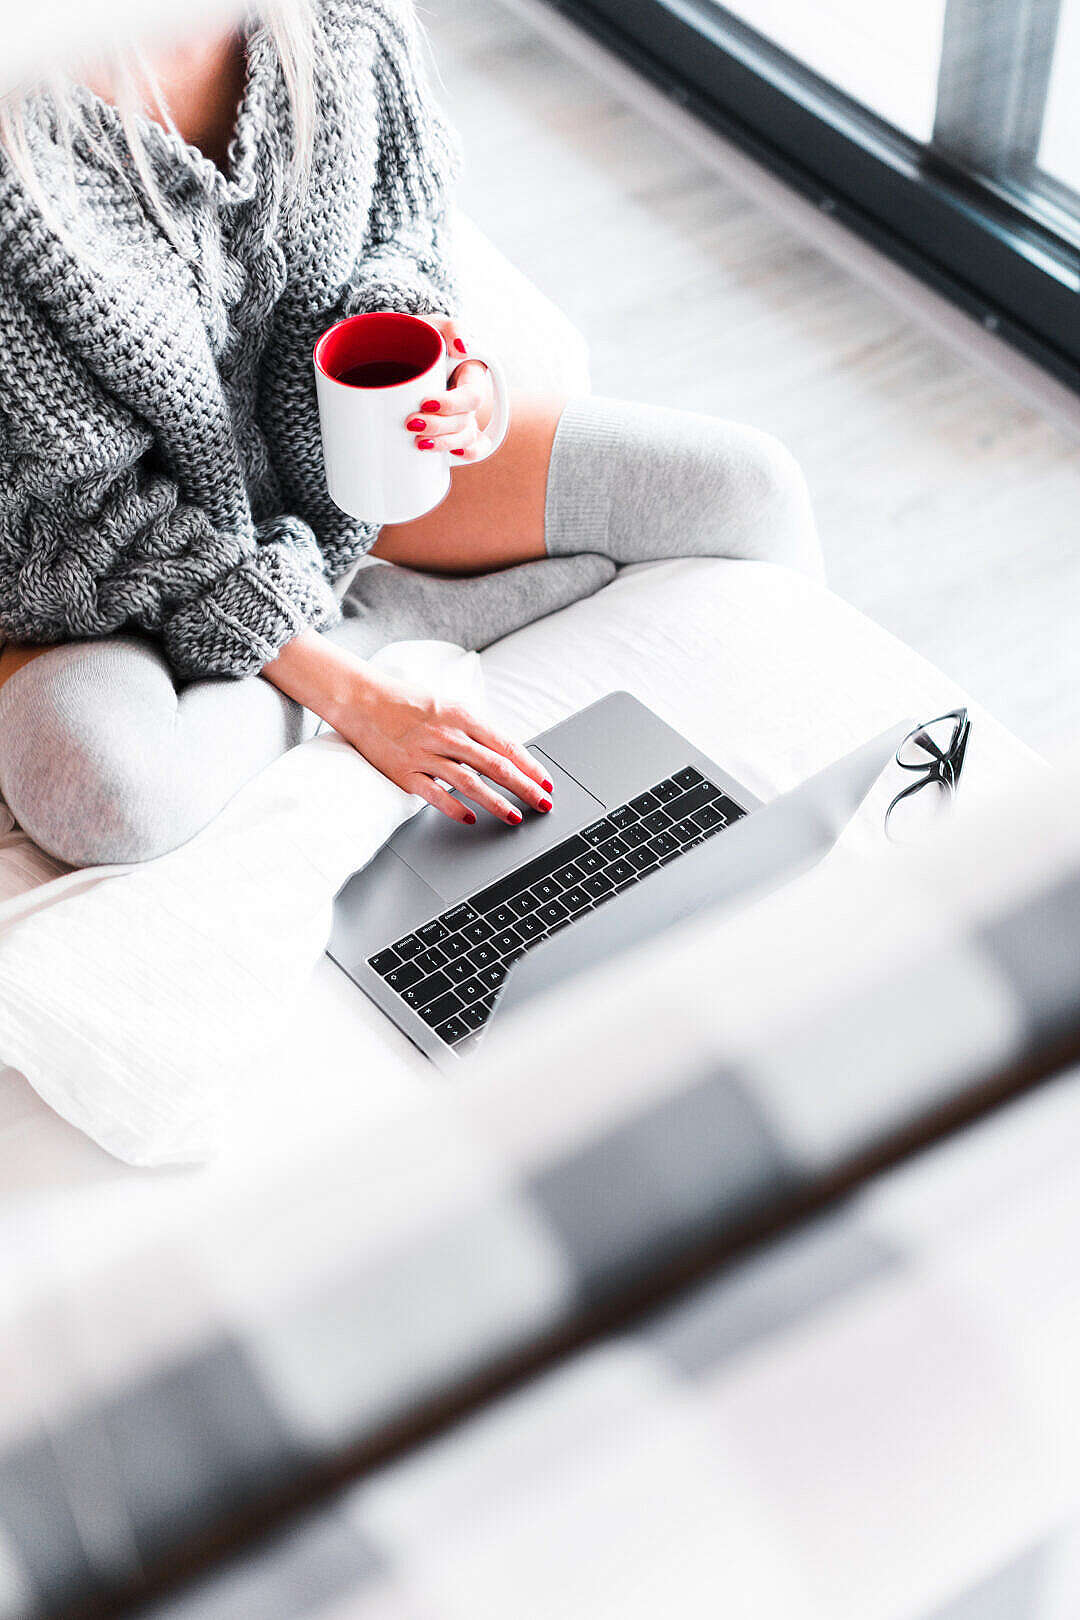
{"points": [[457, 452], [550, 786], [470, 819], [416, 424], [431, 405], [460, 347], [425, 444], [514, 817], [544, 805]]}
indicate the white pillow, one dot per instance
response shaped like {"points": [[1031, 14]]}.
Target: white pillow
{"points": [[130, 996]]}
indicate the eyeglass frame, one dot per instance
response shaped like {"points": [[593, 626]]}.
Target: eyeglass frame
{"points": [[945, 769]]}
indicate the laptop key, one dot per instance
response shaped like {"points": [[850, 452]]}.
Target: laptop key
{"points": [[644, 804], [436, 984], [569, 874], [483, 956], [552, 913], [641, 858], [635, 836], [408, 947], [506, 942], [615, 848], [663, 844], [453, 920], [428, 961], [477, 932], [460, 970], [404, 977], [501, 917], [492, 977], [708, 817], [522, 904], [528, 928], [437, 1012], [667, 790], [656, 823], [591, 862], [598, 833], [598, 885], [473, 1017], [688, 777], [384, 962], [513, 956], [455, 946], [576, 898], [727, 807], [620, 872], [433, 932], [687, 803], [454, 1030], [685, 830], [623, 817], [546, 889], [472, 990]]}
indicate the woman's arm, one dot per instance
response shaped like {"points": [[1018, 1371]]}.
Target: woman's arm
{"points": [[413, 738]]}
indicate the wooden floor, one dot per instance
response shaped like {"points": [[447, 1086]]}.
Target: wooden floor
{"points": [[949, 509]]}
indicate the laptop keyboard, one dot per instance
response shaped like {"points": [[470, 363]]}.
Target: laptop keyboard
{"points": [[451, 969]]}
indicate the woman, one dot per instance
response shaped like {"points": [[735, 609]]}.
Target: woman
{"points": [[174, 234]]}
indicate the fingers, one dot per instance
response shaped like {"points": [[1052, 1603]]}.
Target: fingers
{"points": [[455, 343], [465, 399], [426, 788], [498, 768], [511, 751], [469, 782]]}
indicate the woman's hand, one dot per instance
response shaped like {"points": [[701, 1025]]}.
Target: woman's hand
{"points": [[415, 739], [456, 420]]}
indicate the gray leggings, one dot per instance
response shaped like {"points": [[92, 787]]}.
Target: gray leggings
{"points": [[103, 759]]}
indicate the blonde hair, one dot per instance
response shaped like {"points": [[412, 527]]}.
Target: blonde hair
{"points": [[296, 34]]}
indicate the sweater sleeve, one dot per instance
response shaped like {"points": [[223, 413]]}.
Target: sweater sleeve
{"points": [[93, 540], [407, 262]]}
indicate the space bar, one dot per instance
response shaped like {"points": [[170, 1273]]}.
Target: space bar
{"points": [[524, 876]]}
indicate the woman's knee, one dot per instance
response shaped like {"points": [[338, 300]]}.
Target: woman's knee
{"points": [[85, 734], [767, 514]]}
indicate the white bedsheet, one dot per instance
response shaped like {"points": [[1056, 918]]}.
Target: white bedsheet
{"points": [[767, 672]]}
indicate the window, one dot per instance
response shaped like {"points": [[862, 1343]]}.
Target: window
{"points": [[947, 132]]}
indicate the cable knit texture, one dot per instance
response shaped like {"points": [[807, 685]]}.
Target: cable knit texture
{"points": [[160, 459]]}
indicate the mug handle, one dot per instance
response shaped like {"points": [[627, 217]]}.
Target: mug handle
{"points": [[499, 426]]}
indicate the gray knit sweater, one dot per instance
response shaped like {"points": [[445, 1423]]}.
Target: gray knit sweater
{"points": [[160, 462]]}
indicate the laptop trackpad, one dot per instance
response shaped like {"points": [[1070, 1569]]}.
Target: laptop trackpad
{"points": [[456, 860]]}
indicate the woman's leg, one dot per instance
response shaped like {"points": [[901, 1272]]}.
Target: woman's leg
{"points": [[630, 482], [102, 760]]}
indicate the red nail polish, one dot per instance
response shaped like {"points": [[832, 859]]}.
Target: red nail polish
{"points": [[544, 806], [460, 347], [425, 444], [550, 786], [470, 819], [431, 405], [457, 452], [514, 817], [416, 424]]}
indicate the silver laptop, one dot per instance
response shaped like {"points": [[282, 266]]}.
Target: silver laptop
{"points": [[449, 927]]}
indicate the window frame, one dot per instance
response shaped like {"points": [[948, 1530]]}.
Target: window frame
{"points": [[979, 241]]}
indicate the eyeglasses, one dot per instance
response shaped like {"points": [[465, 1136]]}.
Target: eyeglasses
{"points": [[937, 751]]}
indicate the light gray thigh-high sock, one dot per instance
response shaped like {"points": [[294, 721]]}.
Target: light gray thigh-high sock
{"points": [[641, 482]]}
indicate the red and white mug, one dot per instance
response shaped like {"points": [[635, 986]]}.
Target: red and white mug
{"points": [[372, 372]]}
